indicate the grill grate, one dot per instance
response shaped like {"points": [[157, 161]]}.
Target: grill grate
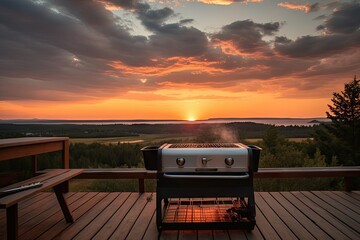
{"points": [[190, 211], [204, 145]]}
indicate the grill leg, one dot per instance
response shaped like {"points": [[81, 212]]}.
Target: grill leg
{"points": [[12, 222], [251, 206], [158, 211]]}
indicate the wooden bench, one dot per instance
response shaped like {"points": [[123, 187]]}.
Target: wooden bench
{"points": [[55, 179]]}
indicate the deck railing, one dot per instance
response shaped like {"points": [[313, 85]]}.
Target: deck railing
{"points": [[20, 147], [348, 173], [33, 146]]}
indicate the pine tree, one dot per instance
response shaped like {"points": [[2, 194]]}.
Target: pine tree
{"points": [[346, 105], [342, 136]]}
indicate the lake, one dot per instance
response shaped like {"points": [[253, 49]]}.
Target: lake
{"points": [[271, 121]]}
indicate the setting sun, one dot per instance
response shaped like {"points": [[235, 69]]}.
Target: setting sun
{"points": [[191, 119]]}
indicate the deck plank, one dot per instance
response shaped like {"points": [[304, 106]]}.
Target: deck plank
{"points": [[144, 219], [291, 222], [280, 227], [92, 228], [89, 211], [51, 215], [280, 215], [151, 231], [115, 220], [221, 234], [169, 235], [33, 215], [253, 235], [77, 209], [296, 211], [348, 197], [187, 235], [314, 216], [343, 205], [335, 209], [335, 223], [264, 226], [240, 234], [205, 235], [130, 218], [26, 207]]}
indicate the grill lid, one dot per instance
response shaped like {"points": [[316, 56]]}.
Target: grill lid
{"points": [[204, 157]]}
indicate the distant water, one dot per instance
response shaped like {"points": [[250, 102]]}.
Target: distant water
{"points": [[271, 121]]}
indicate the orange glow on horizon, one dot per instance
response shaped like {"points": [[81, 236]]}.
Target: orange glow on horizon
{"points": [[248, 105]]}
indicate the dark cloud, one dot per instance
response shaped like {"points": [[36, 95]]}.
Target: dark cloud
{"points": [[314, 7], [282, 40], [247, 36], [186, 21], [154, 19], [176, 40], [317, 46], [130, 4], [321, 17], [168, 40], [345, 19], [342, 33]]}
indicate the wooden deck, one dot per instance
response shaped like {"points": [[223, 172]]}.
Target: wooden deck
{"points": [[280, 215]]}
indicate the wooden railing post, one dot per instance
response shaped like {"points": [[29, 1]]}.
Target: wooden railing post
{"points": [[34, 166], [141, 185], [347, 184], [66, 164], [65, 154]]}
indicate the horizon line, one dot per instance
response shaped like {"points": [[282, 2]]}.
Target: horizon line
{"points": [[139, 119]]}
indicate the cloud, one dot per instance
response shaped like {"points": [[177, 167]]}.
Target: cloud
{"points": [[341, 33], [228, 2], [317, 46], [245, 37], [301, 7], [74, 50], [345, 19], [167, 40], [55, 42]]}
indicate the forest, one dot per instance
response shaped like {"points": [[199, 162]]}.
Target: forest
{"points": [[245, 129]]}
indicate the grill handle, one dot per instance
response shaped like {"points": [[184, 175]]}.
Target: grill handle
{"points": [[246, 175]]}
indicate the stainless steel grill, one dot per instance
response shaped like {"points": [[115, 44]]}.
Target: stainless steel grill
{"points": [[189, 171]]}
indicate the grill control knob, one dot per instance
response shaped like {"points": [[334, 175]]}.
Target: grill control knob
{"points": [[205, 160], [180, 162], [229, 161]]}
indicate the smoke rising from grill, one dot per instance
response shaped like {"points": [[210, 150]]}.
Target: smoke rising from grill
{"points": [[226, 135], [217, 133]]}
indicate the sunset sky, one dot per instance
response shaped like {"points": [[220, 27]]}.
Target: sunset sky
{"points": [[181, 59]]}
